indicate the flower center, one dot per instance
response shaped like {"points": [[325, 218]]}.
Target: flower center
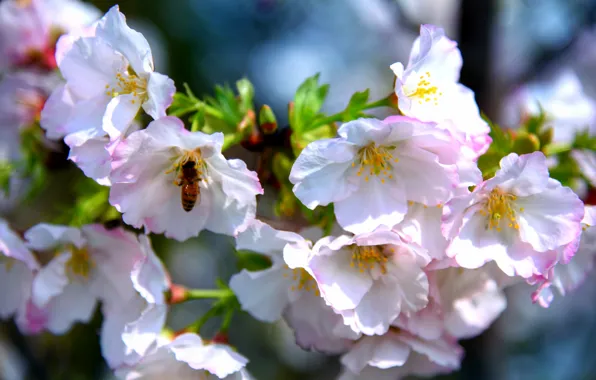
{"points": [[500, 206], [368, 257], [376, 161], [128, 82], [301, 280], [80, 263], [185, 157], [8, 262], [424, 90]]}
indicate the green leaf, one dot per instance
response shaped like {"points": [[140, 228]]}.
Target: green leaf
{"points": [[308, 101], [247, 94], [6, 170], [356, 105]]}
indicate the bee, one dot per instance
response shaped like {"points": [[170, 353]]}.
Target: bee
{"points": [[189, 179]]}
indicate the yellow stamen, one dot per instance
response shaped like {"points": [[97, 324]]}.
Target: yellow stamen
{"points": [[424, 91], [500, 206], [376, 161], [367, 257], [80, 263], [302, 280]]}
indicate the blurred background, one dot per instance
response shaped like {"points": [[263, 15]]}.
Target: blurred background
{"points": [[279, 43]]}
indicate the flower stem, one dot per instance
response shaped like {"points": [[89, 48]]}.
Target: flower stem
{"points": [[385, 102], [193, 294]]}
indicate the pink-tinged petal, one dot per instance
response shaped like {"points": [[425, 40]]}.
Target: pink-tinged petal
{"points": [[238, 182], [387, 298], [424, 134], [113, 348], [31, 319], [342, 285], [149, 276], [364, 131], [522, 175], [12, 246], [218, 359], [141, 334], [436, 53], [374, 204], [475, 311], [586, 160], [90, 66], [43, 236], [264, 294], [298, 254], [444, 352], [115, 253], [85, 121], [51, 280], [56, 112], [457, 211], [428, 181], [94, 159], [427, 323], [119, 115], [543, 295], [422, 225], [377, 351], [113, 29], [314, 324], [74, 304], [227, 215], [66, 41], [161, 92], [475, 245], [551, 218], [15, 282], [262, 238], [323, 161]]}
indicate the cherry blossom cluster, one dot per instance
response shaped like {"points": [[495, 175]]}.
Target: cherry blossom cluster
{"points": [[422, 245]]}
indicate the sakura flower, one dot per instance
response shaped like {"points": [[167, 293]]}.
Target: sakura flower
{"points": [[109, 76], [286, 289], [428, 89], [188, 357], [398, 354], [566, 106], [518, 218], [84, 266], [130, 329], [471, 300], [370, 279], [29, 29], [586, 160], [567, 277], [146, 178], [22, 96], [17, 268], [374, 168]]}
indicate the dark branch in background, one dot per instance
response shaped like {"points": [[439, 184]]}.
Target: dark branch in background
{"points": [[476, 18]]}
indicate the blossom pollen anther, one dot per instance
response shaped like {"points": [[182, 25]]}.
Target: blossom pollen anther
{"points": [[367, 257], [80, 263], [377, 159], [499, 206]]}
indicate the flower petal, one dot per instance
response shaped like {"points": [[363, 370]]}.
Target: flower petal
{"points": [[113, 29], [161, 92], [323, 161]]}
